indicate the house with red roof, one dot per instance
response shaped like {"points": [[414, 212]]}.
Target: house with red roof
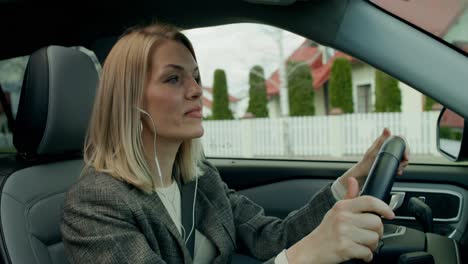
{"points": [[315, 57], [320, 60], [453, 120], [208, 102]]}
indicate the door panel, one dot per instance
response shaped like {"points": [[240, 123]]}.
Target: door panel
{"points": [[283, 186], [280, 198]]}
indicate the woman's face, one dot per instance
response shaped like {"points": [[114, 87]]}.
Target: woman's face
{"points": [[173, 96]]}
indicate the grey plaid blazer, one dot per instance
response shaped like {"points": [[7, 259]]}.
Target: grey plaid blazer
{"points": [[109, 221]]}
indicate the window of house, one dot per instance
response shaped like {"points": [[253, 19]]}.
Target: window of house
{"points": [[364, 104]]}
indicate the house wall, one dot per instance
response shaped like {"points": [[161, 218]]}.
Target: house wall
{"points": [[274, 109], [319, 102], [411, 99]]}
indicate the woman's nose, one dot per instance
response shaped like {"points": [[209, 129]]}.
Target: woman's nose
{"points": [[195, 90]]}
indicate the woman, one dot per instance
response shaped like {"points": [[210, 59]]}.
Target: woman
{"points": [[142, 148]]}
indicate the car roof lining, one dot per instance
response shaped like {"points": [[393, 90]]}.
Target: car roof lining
{"points": [[30, 26]]}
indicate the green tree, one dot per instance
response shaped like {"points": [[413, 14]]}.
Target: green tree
{"points": [[341, 86], [387, 93], [257, 93], [300, 90], [221, 109]]}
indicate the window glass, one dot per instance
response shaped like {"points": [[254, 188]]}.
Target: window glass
{"points": [[444, 19], [291, 98], [11, 79]]}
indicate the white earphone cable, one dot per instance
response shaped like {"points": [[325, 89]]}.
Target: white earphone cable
{"points": [[161, 181]]}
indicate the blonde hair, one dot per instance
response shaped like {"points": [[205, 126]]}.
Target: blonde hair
{"points": [[113, 143]]}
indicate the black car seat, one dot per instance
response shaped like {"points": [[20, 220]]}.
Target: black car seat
{"points": [[53, 113]]}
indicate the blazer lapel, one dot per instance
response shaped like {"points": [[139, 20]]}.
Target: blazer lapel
{"points": [[209, 221], [158, 211]]}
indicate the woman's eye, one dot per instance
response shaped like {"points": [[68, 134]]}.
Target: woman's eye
{"points": [[197, 79], [173, 79]]}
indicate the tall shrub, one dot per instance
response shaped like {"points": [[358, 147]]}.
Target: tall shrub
{"points": [[221, 109], [341, 86]]}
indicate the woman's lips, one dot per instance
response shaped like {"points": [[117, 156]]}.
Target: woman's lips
{"points": [[194, 114]]}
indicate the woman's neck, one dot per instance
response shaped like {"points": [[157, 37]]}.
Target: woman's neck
{"points": [[166, 151]]}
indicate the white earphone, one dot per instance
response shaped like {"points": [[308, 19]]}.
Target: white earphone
{"points": [[156, 160]]}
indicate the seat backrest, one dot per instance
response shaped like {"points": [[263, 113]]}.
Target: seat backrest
{"points": [[53, 114]]}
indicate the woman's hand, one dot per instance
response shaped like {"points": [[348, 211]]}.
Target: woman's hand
{"points": [[348, 231], [362, 168]]}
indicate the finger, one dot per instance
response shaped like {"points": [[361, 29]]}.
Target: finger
{"points": [[381, 139], [353, 188], [366, 238], [364, 204], [403, 164], [402, 167], [406, 154], [368, 221], [386, 132], [362, 252]]}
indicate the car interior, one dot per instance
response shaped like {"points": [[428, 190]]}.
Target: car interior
{"points": [[60, 82]]}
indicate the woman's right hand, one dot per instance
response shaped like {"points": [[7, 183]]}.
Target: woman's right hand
{"points": [[350, 230]]}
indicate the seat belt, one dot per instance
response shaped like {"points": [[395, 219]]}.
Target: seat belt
{"points": [[188, 193]]}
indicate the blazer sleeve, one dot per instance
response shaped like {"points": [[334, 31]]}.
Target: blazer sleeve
{"points": [[97, 227], [263, 237]]}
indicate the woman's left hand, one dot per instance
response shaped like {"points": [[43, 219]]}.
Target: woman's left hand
{"points": [[362, 168]]}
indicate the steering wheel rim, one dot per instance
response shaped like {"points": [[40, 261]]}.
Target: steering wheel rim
{"points": [[382, 174], [385, 166]]}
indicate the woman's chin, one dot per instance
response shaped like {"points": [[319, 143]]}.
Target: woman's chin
{"points": [[194, 132], [199, 133]]}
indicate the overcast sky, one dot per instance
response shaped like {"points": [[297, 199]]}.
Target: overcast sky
{"points": [[236, 49]]}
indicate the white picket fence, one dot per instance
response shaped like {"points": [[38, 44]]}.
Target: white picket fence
{"points": [[328, 136], [315, 136]]}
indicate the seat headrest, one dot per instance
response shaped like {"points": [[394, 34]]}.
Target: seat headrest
{"points": [[56, 101]]}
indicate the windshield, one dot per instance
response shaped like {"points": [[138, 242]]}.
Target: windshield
{"points": [[445, 19]]}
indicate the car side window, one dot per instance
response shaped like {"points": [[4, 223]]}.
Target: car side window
{"points": [[268, 93]]}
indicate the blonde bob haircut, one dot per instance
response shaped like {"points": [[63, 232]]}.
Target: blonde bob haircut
{"points": [[113, 143]]}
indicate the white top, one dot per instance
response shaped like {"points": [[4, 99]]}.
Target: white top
{"points": [[204, 251]]}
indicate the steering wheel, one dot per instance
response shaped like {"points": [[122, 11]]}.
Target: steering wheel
{"points": [[379, 182]]}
